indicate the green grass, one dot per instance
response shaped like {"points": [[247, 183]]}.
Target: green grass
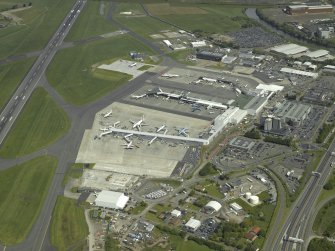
{"points": [[74, 172], [23, 189], [11, 76], [145, 67], [182, 55], [320, 244], [71, 73], [39, 23], [139, 208], [40, 123], [143, 25], [90, 22], [324, 223], [68, 224], [219, 19], [171, 182]]}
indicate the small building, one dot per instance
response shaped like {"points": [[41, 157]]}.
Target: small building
{"points": [[193, 225], [176, 213], [291, 71], [197, 44], [235, 206], [110, 199], [323, 33], [208, 55], [213, 206], [253, 233]]}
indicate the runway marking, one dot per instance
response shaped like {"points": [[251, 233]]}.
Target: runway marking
{"points": [[45, 233]]}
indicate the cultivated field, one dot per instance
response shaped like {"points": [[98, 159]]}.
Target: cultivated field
{"points": [[40, 123], [71, 74], [38, 24], [68, 225], [92, 21], [11, 76], [23, 189]]}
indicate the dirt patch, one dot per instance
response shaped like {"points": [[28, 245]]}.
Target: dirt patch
{"points": [[9, 15], [167, 9]]}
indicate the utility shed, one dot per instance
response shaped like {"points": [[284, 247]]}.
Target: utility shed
{"points": [[110, 199]]}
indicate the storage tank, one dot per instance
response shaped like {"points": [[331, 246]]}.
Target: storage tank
{"points": [[247, 195], [254, 199]]}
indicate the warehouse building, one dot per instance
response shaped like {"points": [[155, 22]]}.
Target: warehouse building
{"points": [[308, 9], [289, 49], [192, 225], [292, 112], [213, 206], [291, 71], [208, 55], [110, 199], [317, 54]]}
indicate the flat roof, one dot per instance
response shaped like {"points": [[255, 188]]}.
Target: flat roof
{"points": [[289, 49], [317, 54], [299, 72], [270, 87], [111, 199], [193, 223]]}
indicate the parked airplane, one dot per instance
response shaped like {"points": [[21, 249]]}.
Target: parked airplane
{"points": [[160, 128], [133, 64], [183, 131], [138, 123], [138, 96], [129, 145], [105, 129], [166, 75], [152, 140], [116, 123], [127, 136], [108, 114]]}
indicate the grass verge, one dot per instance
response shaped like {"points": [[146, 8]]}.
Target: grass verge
{"points": [[40, 123], [11, 76], [68, 224], [23, 190], [72, 75]]}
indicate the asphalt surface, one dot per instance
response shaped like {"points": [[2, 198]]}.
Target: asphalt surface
{"points": [[31, 80], [298, 217]]}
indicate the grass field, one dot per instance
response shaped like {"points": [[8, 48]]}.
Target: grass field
{"points": [[90, 22], [71, 74], [139, 23], [38, 25], [218, 18], [22, 191], [68, 224], [324, 223], [11, 76], [40, 123]]}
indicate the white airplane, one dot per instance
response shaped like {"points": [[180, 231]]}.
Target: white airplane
{"points": [[108, 114], [133, 64], [129, 145], [166, 75], [105, 129], [160, 128], [138, 96], [116, 123], [152, 140], [138, 123], [127, 136], [183, 131]]}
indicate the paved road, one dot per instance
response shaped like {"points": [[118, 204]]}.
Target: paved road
{"points": [[23, 92], [298, 217]]}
